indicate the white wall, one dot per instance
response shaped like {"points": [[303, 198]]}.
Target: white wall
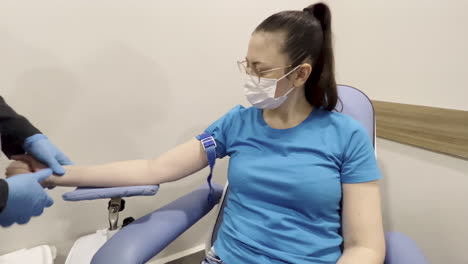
{"points": [[114, 80]]}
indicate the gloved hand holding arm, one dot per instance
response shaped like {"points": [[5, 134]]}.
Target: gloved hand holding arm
{"points": [[26, 198], [40, 147], [19, 135]]}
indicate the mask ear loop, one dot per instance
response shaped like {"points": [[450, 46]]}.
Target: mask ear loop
{"points": [[291, 71], [292, 88]]}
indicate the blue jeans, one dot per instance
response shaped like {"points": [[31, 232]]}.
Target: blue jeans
{"points": [[212, 258]]}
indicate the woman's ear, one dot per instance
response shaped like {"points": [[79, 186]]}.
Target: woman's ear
{"points": [[302, 74]]}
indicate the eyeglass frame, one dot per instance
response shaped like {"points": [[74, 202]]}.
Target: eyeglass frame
{"points": [[258, 73]]}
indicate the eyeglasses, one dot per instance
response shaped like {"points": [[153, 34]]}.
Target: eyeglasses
{"points": [[254, 73]]}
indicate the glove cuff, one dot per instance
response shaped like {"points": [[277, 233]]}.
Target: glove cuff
{"points": [[30, 140]]}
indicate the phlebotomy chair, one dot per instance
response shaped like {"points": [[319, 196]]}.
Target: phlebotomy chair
{"points": [[140, 240]]}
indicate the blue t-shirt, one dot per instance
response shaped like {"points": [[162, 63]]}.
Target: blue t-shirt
{"points": [[284, 204]]}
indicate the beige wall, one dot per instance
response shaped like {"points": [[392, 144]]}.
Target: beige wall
{"points": [[114, 80], [413, 52]]}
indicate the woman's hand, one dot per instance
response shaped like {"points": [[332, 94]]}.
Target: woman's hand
{"points": [[34, 164], [25, 164], [17, 167]]}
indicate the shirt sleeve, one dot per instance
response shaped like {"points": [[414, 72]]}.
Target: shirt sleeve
{"points": [[220, 130], [3, 194], [359, 162], [14, 129]]}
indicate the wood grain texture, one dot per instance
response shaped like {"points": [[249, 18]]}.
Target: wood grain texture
{"points": [[437, 129]]}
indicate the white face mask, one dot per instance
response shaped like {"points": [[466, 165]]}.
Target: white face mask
{"points": [[262, 95]]}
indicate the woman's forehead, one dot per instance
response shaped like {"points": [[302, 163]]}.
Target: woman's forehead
{"points": [[265, 48]]}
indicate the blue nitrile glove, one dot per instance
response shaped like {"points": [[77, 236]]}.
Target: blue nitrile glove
{"points": [[26, 198], [40, 147]]}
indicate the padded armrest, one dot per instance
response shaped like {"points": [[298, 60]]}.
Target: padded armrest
{"points": [[139, 241], [402, 250], [94, 193]]}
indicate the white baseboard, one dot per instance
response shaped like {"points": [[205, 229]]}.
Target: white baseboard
{"points": [[178, 255]]}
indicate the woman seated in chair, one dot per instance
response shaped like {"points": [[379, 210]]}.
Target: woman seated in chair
{"points": [[303, 179]]}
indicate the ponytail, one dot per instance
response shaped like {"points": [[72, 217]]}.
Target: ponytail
{"points": [[309, 37], [320, 88]]}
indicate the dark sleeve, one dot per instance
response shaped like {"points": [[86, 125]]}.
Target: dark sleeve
{"points": [[14, 129], [3, 194]]}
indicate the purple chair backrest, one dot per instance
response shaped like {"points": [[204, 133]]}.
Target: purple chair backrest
{"points": [[352, 102], [356, 104]]}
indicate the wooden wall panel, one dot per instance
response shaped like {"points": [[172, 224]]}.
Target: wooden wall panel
{"points": [[437, 129]]}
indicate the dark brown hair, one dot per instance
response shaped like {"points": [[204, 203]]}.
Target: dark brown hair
{"points": [[308, 36]]}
